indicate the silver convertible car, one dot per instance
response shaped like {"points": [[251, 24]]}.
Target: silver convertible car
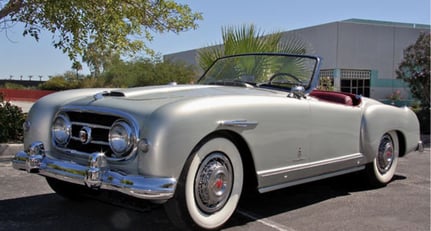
{"points": [[252, 122]]}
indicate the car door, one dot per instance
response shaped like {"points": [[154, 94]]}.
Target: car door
{"points": [[335, 136], [280, 141]]}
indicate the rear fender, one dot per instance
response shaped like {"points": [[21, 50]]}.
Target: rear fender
{"points": [[379, 119]]}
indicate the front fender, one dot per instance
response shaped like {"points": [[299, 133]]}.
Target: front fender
{"points": [[173, 132]]}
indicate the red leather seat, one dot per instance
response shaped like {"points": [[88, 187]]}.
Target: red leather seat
{"points": [[334, 97]]}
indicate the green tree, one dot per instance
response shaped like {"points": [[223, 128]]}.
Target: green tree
{"points": [[97, 58], [61, 82], [415, 69], [117, 26], [77, 67], [11, 120], [246, 39], [146, 71]]}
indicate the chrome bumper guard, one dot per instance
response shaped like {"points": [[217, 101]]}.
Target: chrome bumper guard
{"points": [[420, 147], [96, 175]]}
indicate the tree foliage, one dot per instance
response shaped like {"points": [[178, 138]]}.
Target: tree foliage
{"points": [[415, 69], [105, 26], [61, 82], [12, 118], [246, 39], [140, 72], [144, 72]]}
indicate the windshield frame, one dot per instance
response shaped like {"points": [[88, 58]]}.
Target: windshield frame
{"points": [[308, 87]]}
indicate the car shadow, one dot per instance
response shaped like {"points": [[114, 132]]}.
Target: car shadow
{"points": [[50, 211], [284, 200]]}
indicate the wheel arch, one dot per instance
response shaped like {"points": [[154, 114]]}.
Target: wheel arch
{"points": [[175, 207], [401, 143], [250, 177], [373, 127]]}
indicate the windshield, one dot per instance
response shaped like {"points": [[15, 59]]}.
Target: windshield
{"points": [[263, 70]]}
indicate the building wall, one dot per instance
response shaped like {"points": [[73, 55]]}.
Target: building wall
{"points": [[356, 45], [188, 57], [364, 45]]}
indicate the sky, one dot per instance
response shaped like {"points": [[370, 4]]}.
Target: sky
{"points": [[23, 56]]}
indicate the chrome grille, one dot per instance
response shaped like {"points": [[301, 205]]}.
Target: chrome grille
{"points": [[100, 124]]}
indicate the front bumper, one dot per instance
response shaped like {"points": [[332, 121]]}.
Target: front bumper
{"points": [[97, 175]]}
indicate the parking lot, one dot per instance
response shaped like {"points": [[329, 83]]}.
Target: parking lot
{"points": [[341, 203]]}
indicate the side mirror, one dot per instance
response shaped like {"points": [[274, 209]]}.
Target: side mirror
{"points": [[298, 89], [297, 92]]}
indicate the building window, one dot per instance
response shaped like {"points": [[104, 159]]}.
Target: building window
{"points": [[326, 73], [326, 80], [356, 82], [350, 80], [356, 86]]}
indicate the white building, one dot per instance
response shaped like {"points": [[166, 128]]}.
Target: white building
{"points": [[361, 56]]}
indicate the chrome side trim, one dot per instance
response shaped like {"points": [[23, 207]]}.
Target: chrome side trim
{"points": [[241, 123], [97, 174], [271, 172], [273, 179], [310, 179]]}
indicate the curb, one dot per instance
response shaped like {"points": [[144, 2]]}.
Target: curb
{"points": [[7, 151]]}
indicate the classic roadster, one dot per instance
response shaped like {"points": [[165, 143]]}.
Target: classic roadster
{"points": [[253, 121]]}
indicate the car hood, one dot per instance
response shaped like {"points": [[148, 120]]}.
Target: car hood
{"points": [[150, 98], [185, 91]]}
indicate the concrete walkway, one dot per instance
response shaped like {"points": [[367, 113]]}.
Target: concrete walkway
{"points": [[8, 150]]}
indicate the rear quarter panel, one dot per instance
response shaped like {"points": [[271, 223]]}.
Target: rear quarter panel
{"points": [[380, 118]]}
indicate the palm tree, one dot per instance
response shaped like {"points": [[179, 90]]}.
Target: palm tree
{"points": [[77, 66], [247, 39]]}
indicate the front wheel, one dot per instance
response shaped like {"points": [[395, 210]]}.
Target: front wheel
{"points": [[382, 169], [209, 187]]}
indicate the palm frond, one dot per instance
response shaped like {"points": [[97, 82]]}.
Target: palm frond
{"points": [[249, 39]]}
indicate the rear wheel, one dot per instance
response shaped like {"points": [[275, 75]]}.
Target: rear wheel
{"points": [[209, 188], [382, 169]]}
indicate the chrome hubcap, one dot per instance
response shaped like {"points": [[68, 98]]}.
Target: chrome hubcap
{"points": [[213, 182], [385, 157]]}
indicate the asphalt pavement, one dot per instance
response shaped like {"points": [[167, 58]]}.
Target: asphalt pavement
{"points": [[340, 203]]}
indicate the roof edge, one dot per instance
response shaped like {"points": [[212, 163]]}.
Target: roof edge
{"points": [[387, 23]]}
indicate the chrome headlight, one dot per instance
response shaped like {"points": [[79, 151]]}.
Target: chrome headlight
{"points": [[121, 137], [61, 129]]}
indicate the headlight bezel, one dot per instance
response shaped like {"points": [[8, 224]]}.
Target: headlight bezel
{"points": [[62, 134], [121, 144]]}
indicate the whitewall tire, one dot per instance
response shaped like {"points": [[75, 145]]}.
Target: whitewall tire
{"points": [[384, 165], [210, 187]]}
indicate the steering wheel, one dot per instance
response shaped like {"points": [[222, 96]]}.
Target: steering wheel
{"points": [[297, 80]]}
